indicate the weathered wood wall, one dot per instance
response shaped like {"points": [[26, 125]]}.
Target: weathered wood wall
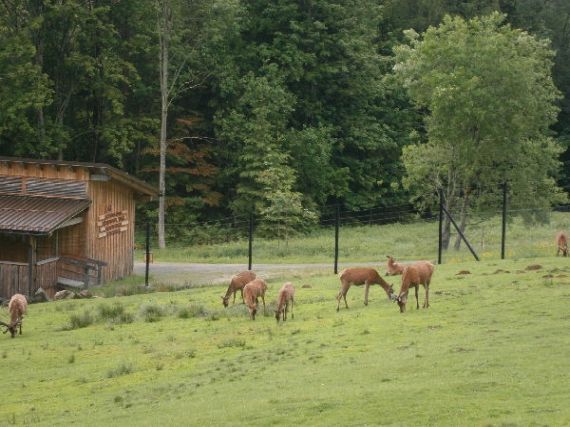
{"points": [[14, 278], [106, 233], [46, 276], [13, 248], [114, 247]]}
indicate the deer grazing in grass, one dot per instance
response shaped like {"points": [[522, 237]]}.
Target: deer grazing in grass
{"points": [[360, 276], [237, 282], [393, 268], [562, 243], [286, 296], [418, 273], [251, 292], [17, 308]]}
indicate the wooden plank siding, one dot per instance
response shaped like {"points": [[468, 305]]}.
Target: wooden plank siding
{"points": [[14, 278], [115, 249], [114, 197], [46, 276]]}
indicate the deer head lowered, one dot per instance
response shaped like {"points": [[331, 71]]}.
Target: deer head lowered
{"points": [[12, 327]]}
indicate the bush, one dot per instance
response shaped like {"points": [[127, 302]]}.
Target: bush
{"points": [[124, 368], [115, 313], [151, 312], [191, 311], [82, 320]]}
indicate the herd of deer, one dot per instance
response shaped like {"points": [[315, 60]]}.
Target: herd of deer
{"points": [[413, 275], [252, 288]]}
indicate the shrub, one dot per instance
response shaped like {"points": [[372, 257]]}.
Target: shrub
{"points": [[233, 342], [124, 368], [151, 312], [82, 320], [192, 310], [114, 313]]}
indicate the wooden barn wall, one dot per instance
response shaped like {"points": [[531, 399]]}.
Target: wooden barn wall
{"points": [[13, 248], [72, 240], [44, 171], [109, 198], [13, 279], [46, 277]]}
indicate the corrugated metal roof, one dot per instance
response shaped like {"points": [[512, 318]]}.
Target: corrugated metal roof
{"points": [[37, 215], [121, 176]]}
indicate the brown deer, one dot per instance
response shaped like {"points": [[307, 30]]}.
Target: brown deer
{"points": [[393, 268], [360, 276], [286, 296], [251, 292], [237, 282], [17, 308], [562, 244], [418, 273]]}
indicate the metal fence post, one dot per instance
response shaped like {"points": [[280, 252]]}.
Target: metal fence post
{"points": [[504, 225], [440, 237], [250, 243], [336, 231], [147, 254]]}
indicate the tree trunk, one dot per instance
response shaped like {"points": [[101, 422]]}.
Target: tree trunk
{"points": [[446, 233], [39, 61], [462, 221], [164, 27]]}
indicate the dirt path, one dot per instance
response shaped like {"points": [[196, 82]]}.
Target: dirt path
{"points": [[221, 273]]}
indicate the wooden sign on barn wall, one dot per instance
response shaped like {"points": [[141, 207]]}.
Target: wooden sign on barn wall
{"points": [[112, 222]]}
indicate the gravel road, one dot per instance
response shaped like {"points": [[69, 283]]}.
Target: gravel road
{"points": [[221, 273]]}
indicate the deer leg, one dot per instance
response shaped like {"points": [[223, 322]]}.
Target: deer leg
{"points": [[242, 300], [338, 298], [263, 299], [292, 315], [417, 301], [285, 311], [366, 293], [426, 302], [235, 290]]}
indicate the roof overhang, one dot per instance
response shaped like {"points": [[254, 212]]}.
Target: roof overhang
{"points": [[96, 170], [38, 215]]}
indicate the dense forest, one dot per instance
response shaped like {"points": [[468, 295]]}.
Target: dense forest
{"points": [[284, 107]]}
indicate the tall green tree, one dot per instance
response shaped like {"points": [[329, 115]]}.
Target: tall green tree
{"points": [[24, 88], [491, 99], [342, 131]]}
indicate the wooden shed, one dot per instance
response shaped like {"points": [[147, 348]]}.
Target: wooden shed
{"points": [[64, 222]]}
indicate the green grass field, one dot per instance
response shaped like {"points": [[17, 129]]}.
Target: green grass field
{"points": [[491, 351], [409, 241]]}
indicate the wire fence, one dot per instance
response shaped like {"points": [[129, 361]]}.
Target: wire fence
{"points": [[348, 236]]}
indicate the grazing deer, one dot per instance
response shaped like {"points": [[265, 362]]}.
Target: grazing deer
{"points": [[360, 276], [237, 282], [286, 295], [562, 244], [393, 268], [251, 292], [418, 273], [17, 308]]}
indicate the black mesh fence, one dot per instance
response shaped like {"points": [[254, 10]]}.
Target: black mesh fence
{"points": [[363, 236]]}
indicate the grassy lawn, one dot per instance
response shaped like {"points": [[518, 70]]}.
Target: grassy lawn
{"points": [[491, 351], [410, 241]]}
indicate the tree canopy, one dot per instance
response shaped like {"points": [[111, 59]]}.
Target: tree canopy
{"points": [[491, 102], [293, 105]]}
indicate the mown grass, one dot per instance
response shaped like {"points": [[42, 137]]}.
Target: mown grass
{"points": [[416, 240], [492, 350]]}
